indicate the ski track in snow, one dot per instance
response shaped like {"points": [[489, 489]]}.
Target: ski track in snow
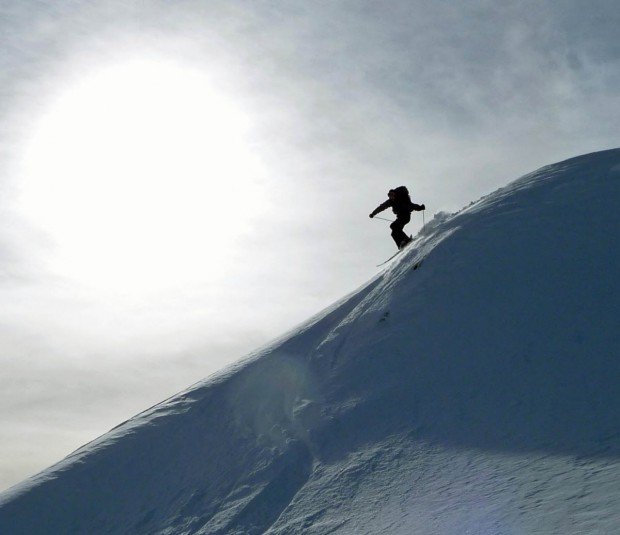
{"points": [[470, 387]]}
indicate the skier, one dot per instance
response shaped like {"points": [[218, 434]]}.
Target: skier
{"points": [[400, 202]]}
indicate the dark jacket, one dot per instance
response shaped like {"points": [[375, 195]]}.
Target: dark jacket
{"points": [[399, 207]]}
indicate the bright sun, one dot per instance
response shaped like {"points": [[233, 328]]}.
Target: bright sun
{"points": [[139, 173]]}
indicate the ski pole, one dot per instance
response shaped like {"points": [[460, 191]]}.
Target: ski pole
{"points": [[423, 223], [383, 218]]}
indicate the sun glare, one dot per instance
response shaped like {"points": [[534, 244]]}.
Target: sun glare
{"points": [[139, 173]]}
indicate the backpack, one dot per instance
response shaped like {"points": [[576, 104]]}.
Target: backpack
{"points": [[402, 194], [402, 201]]}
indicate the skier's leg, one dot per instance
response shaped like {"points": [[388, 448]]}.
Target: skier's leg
{"points": [[397, 231], [398, 235]]}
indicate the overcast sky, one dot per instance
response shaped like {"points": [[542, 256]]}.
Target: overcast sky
{"points": [[183, 181]]}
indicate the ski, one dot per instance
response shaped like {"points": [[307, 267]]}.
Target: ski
{"points": [[393, 256], [397, 252]]}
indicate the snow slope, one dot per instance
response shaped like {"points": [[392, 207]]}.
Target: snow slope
{"points": [[476, 392]]}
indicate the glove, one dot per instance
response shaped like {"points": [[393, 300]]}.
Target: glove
{"points": [[371, 215], [423, 207]]}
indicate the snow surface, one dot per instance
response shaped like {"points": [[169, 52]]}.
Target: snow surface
{"points": [[476, 392]]}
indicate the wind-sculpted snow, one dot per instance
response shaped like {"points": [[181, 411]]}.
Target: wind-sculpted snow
{"points": [[471, 387]]}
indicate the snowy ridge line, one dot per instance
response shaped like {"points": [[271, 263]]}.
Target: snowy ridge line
{"points": [[476, 394]]}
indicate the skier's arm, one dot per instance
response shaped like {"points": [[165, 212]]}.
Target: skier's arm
{"points": [[417, 207], [383, 206]]}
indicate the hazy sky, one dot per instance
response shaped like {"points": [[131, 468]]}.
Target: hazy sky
{"points": [[183, 181]]}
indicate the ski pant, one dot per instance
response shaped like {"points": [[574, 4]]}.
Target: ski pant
{"points": [[397, 228]]}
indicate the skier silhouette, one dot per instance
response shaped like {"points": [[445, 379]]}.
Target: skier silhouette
{"points": [[400, 202]]}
